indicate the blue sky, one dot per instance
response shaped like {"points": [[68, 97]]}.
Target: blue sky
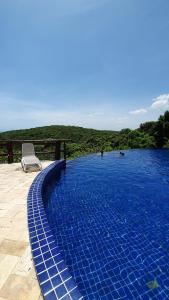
{"points": [[100, 63]]}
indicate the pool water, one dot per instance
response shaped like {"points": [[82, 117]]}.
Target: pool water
{"points": [[110, 218]]}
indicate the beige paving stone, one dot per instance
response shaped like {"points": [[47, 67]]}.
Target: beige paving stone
{"points": [[15, 210], [6, 266], [20, 288], [4, 232], [17, 233], [2, 256], [12, 247], [25, 264], [32, 272], [17, 275], [4, 207], [3, 212], [5, 222]]}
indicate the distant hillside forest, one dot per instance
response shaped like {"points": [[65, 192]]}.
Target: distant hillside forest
{"points": [[149, 135]]}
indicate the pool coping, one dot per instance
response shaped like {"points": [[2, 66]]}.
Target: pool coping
{"points": [[52, 273]]}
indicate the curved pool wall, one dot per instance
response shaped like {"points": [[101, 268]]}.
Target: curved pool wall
{"points": [[54, 278]]}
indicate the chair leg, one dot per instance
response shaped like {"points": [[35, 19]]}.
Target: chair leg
{"points": [[22, 166]]}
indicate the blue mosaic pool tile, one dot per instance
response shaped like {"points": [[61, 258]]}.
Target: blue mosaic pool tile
{"points": [[36, 252], [57, 258], [75, 293], [65, 275], [46, 255], [49, 263], [46, 286], [70, 284], [60, 291], [54, 251], [43, 277], [40, 268], [44, 248], [33, 239], [38, 260], [43, 242], [54, 278], [51, 296], [67, 297], [52, 271]]}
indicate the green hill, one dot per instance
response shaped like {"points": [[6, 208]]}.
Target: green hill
{"points": [[84, 140], [76, 134]]}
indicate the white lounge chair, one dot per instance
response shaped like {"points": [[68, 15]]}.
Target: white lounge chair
{"points": [[29, 161]]}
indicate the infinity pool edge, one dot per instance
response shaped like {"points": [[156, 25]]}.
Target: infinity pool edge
{"points": [[52, 273]]}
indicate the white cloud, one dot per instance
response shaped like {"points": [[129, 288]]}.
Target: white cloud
{"points": [[161, 102], [138, 111]]}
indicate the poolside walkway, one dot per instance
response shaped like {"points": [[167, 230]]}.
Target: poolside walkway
{"points": [[17, 275]]}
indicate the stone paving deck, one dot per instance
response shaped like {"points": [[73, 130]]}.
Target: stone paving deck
{"points": [[17, 275]]}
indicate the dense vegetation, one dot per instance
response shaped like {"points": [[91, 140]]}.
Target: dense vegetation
{"points": [[83, 140]]}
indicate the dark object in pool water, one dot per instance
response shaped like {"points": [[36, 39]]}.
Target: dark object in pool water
{"points": [[122, 153]]}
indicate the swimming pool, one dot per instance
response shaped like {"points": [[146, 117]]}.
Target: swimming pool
{"points": [[110, 219]]}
